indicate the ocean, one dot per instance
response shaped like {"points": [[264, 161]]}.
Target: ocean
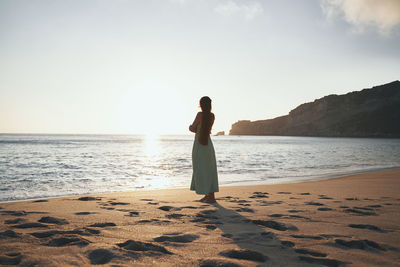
{"points": [[41, 166]]}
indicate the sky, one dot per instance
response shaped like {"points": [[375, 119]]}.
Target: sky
{"points": [[141, 66]]}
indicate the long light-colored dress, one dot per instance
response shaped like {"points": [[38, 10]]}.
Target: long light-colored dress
{"points": [[205, 176]]}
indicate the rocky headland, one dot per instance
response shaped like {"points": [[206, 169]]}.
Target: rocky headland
{"points": [[373, 112]]}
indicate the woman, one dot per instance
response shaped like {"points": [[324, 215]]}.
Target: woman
{"points": [[205, 177]]}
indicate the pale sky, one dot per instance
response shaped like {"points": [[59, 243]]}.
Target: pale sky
{"points": [[127, 66]]}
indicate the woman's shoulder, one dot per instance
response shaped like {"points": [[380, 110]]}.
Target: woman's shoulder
{"points": [[200, 114]]}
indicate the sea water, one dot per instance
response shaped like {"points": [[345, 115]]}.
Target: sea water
{"points": [[39, 166]]}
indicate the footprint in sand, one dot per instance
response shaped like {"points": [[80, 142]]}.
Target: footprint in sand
{"points": [[360, 212], [244, 254], [295, 211], [367, 226], [289, 244], [314, 237], [276, 215], [46, 234], [366, 245], [324, 197], [310, 252], [105, 224], [30, 225], [198, 220], [269, 203], [92, 231], [100, 256], [177, 238], [363, 208], [123, 210], [374, 206], [53, 220], [217, 263], [329, 236], [114, 203], [240, 209], [133, 214], [40, 200], [142, 246], [190, 207], [322, 262], [211, 227], [174, 216], [89, 198], [169, 208], [259, 195], [11, 259], [15, 221], [68, 241], [8, 233], [224, 198], [324, 209], [312, 203], [239, 201], [351, 198], [275, 225], [286, 216], [157, 221], [206, 214], [14, 213], [84, 213]]}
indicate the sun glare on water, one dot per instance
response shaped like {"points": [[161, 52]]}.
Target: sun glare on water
{"points": [[152, 150], [152, 146]]}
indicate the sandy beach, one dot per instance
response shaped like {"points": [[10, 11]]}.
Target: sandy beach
{"points": [[352, 221]]}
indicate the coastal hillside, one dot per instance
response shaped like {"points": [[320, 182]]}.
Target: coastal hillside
{"points": [[373, 112]]}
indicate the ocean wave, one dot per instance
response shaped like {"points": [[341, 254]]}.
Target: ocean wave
{"points": [[59, 165]]}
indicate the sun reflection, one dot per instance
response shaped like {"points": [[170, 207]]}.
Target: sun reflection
{"points": [[156, 178], [152, 145]]}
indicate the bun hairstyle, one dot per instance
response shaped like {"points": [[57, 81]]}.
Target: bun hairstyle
{"points": [[205, 129]]}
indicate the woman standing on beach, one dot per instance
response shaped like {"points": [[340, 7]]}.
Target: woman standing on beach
{"points": [[205, 176]]}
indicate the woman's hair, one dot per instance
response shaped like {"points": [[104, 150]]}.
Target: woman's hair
{"points": [[205, 104]]}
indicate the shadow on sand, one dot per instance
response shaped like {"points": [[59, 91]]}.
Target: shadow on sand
{"points": [[256, 243]]}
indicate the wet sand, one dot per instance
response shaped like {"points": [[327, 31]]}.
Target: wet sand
{"points": [[352, 220]]}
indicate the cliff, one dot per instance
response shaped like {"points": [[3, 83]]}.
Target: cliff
{"points": [[373, 112]]}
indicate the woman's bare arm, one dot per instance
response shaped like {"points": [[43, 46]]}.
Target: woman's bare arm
{"points": [[197, 120]]}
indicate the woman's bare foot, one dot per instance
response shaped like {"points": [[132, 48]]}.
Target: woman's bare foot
{"points": [[210, 198], [203, 199]]}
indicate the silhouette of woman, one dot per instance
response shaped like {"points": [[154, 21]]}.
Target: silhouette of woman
{"points": [[205, 176]]}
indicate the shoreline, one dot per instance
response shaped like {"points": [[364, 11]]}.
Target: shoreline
{"points": [[335, 222], [282, 181]]}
